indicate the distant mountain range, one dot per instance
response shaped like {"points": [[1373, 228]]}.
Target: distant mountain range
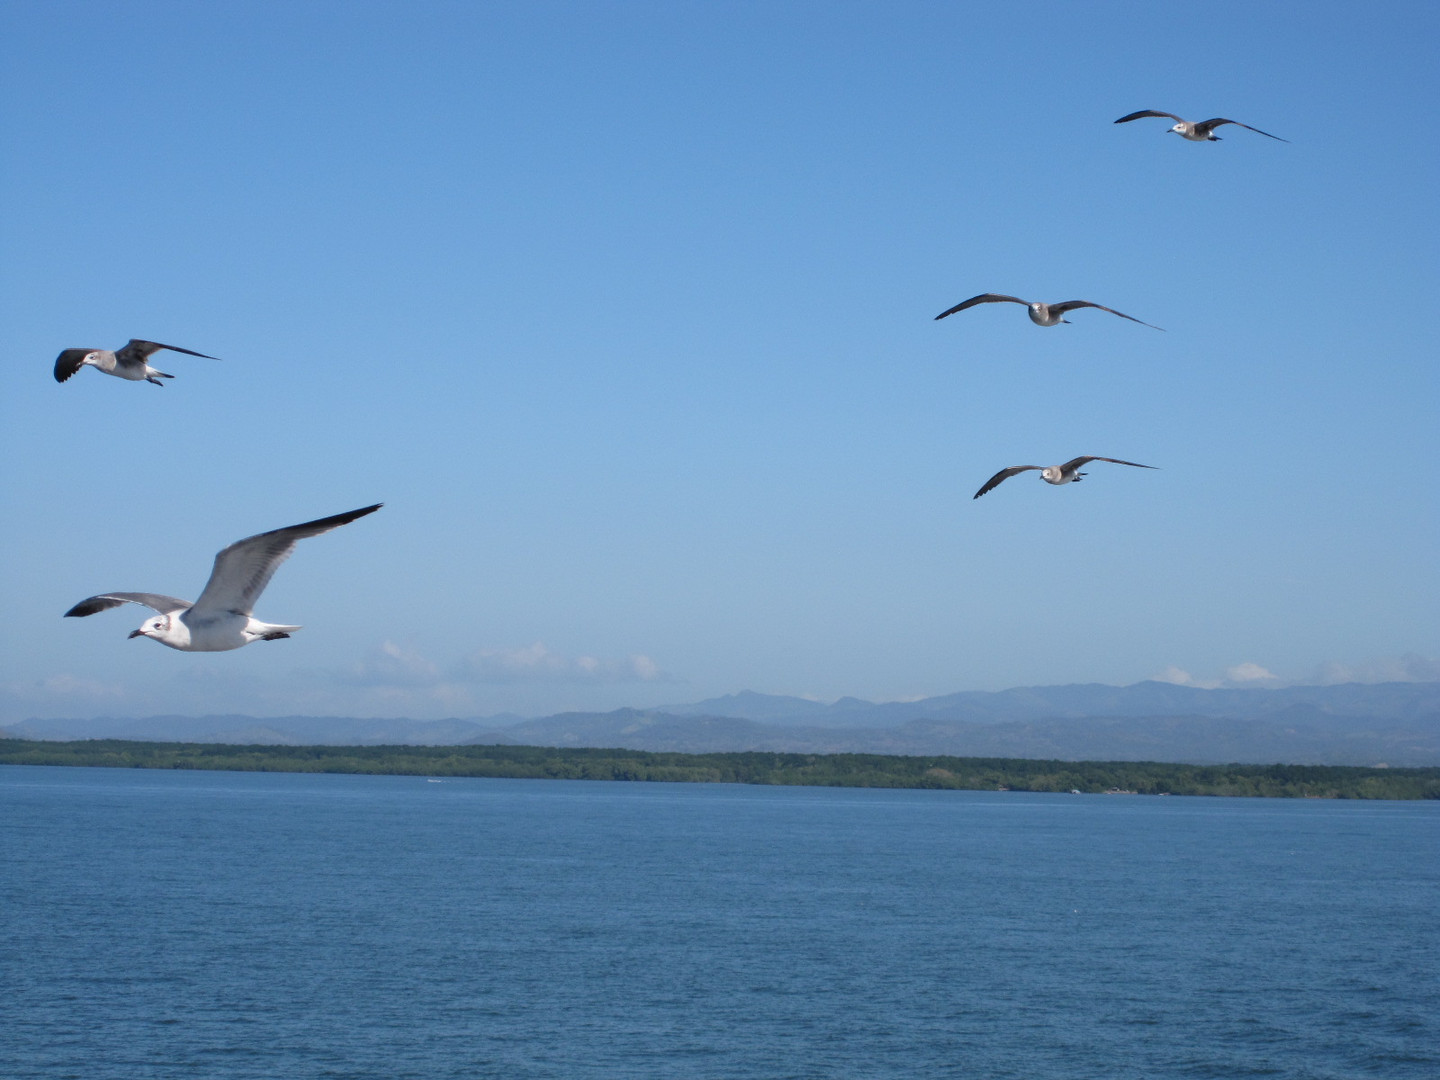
{"points": [[1352, 724]]}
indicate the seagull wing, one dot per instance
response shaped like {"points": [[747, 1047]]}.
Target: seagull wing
{"points": [[983, 298], [1208, 126], [1147, 112], [69, 362], [244, 568], [1071, 305], [135, 349], [1075, 463], [165, 605], [1003, 475]]}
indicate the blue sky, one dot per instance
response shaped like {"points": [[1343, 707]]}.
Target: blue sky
{"points": [[625, 310]]}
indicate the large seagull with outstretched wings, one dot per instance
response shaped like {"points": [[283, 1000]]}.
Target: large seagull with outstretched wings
{"points": [[1196, 130], [221, 619], [1041, 314], [1068, 473], [127, 362]]}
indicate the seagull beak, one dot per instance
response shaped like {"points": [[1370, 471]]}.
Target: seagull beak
{"points": [[137, 633]]}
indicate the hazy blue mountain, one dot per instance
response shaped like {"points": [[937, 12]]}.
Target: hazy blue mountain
{"points": [[1391, 700], [748, 705], [1354, 724], [280, 730]]}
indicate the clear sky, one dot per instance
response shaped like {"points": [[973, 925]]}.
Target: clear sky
{"points": [[625, 311]]}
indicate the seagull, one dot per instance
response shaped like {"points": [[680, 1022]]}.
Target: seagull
{"points": [[1196, 130], [1041, 314], [1054, 474], [126, 363], [221, 618]]}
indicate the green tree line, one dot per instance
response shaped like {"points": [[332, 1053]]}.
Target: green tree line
{"points": [[826, 770]]}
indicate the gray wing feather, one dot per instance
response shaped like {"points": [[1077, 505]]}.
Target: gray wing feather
{"points": [[105, 601], [1076, 463], [69, 362], [1147, 112], [1208, 126], [244, 568], [1071, 305], [983, 298], [141, 350], [1003, 475]]}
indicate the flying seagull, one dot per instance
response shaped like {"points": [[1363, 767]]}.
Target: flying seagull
{"points": [[221, 618], [1196, 130], [1041, 314], [1054, 474], [126, 363]]}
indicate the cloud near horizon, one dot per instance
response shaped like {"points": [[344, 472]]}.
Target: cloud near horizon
{"points": [[389, 664], [393, 665], [67, 686], [536, 663], [1410, 667], [1247, 674], [389, 679]]}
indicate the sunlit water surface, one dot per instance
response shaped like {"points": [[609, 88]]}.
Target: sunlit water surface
{"points": [[229, 925]]}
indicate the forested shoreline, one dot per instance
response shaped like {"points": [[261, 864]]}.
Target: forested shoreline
{"points": [[823, 770]]}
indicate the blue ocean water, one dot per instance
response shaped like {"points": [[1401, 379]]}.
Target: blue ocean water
{"points": [[251, 925]]}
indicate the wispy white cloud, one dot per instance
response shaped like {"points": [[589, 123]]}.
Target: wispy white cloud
{"points": [[389, 664], [1410, 667], [1248, 674], [390, 679], [537, 663], [63, 687], [1181, 677], [66, 695]]}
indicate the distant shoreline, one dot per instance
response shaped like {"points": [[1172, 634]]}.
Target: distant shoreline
{"points": [[936, 772]]}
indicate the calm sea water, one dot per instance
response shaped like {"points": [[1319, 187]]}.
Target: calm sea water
{"points": [[229, 925]]}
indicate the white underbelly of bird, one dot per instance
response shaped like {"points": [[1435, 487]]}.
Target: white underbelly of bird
{"points": [[217, 633]]}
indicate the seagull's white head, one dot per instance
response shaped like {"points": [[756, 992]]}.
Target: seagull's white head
{"points": [[1050, 474], [152, 627], [164, 629]]}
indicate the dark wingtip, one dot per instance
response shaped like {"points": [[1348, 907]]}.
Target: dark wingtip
{"points": [[69, 362], [336, 520]]}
